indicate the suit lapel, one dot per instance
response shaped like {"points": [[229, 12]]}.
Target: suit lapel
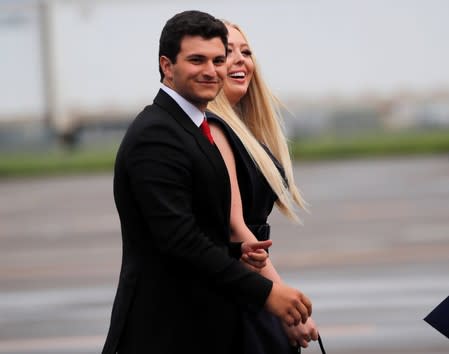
{"points": [[212, 153]]}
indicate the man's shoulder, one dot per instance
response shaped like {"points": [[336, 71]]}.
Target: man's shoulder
{"points": [[155, 122], [157, 109], [150, 114]]}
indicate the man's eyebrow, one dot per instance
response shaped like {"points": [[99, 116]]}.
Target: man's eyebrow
{"points": [[194, 55]]}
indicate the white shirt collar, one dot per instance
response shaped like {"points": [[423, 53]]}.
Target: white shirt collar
{"points": [[193, 112]]}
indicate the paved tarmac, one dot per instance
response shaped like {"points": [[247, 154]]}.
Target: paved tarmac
{"points": [[373, 255]]}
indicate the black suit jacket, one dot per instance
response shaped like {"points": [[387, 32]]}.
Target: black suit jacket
{"points": [[179, 288]]}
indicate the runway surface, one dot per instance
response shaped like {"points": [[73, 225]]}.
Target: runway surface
{"points": [[372, 254]]}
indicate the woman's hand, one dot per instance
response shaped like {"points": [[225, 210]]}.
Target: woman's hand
{"points": [[254, 254], [302, 334]]}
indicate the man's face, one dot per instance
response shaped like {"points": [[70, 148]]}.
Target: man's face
{"points": [[199, 70]]}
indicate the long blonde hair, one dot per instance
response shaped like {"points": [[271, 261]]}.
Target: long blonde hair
{"points": [[256, 119]]}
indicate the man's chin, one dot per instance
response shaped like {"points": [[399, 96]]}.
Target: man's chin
{"points": [[201, 102], [204, 97], [207, 97]]}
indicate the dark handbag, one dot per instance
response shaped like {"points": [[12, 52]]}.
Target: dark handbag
{"points": [[263, 333], [262, 330], [320, 342]]}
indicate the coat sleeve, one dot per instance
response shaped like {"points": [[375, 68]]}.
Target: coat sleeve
{"points": [[161, 176]]}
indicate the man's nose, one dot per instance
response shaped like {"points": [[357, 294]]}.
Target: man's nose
{"points": [[210, 69]]}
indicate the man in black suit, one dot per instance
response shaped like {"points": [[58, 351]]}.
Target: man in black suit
{"points": [[181, 284]]}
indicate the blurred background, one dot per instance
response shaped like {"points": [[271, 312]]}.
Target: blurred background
{"points": [[366, 91]]}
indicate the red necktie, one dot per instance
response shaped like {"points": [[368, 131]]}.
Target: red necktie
{"points": [[206, 131]]}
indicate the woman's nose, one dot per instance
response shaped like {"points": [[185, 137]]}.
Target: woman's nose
{"points": [[239, 56]]}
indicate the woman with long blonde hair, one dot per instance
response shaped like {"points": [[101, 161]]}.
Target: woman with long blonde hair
{"points": [[250, 138]]}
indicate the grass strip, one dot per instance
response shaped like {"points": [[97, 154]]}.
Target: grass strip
{"points": [[101, 159], [391, 144]]}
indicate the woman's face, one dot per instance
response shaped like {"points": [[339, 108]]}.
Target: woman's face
{"points": [[240, 67]]}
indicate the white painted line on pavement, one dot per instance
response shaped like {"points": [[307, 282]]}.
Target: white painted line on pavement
{"points": [[55, 344]]}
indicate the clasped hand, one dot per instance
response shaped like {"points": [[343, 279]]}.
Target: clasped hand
{"points": [[302, 334], [290, 305], [254, 254]]}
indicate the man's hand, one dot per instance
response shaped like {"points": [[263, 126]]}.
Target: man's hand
{"points": [[301, 334], [289, 304], [254, 254]]}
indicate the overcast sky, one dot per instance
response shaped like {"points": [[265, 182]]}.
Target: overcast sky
{"points": [[106, 51], [314, 47]]}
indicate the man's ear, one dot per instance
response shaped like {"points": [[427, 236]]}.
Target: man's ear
{"points": [[166, 67]]}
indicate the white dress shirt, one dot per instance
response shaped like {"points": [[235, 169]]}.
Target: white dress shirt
{"points": [[193, 112]]}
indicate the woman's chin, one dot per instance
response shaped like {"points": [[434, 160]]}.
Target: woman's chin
{"points": [[235, 94]]}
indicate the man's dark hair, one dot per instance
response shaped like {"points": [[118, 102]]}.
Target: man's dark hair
{"points": [[189, 23]]}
